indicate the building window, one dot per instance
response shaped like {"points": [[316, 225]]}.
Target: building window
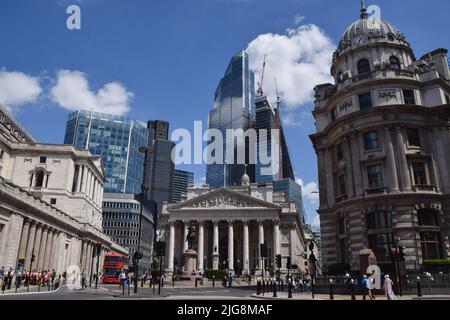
{"points": [[413, 137], [341, 224], [40, 179], [409, 97], [381, 245], [375, 176], [363, 66], [339, 152], [342, 184], [428, 218], [371, 140], [365, 101], [53, 201], [43, 160], [447, 99], [420, 174], [2, 152], [343, 250], [379, 220], [394, 63], [431, 245]]}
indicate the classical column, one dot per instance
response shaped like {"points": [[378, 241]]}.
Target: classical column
{"points": [[30, 244], [78, 187], [171, 246], [392, 167], [83, 254], [406, 178], [185, 242], [23, 239], [246, 255], [359, 189], [42, 247], [37, 246], [230, 246], [201, 238], [55, 252], [48, 249], [83, 180], [276, 238], [216, 245], [348, 168]]}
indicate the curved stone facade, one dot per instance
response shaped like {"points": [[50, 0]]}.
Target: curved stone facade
{"points": [[383, 147]]}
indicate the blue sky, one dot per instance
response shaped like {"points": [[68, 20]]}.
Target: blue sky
{"points": [[163, 58]]}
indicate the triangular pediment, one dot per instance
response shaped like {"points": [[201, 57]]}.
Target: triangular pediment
{"points": [[223, 199]]}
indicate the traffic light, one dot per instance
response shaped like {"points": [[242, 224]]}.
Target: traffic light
{"points": [[264, 250], [278, 260], [288, 263]]}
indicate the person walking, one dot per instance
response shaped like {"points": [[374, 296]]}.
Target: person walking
{"points": [[388, 288], [122, 278], [367, 288], [83, 279]]}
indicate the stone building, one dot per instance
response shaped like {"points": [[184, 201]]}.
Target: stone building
{"points": [[383, 148], [231, 224], [50, 202]]}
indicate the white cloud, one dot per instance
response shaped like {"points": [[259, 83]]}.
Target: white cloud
{"points": [[18, 88], [72, 92], [299, 59], [310, 190], [298, 18]]}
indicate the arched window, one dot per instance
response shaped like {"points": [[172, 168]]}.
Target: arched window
{"points": [[363, 66], [40, 179], [394, 63]]}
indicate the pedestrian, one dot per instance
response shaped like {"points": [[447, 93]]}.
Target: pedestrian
{"points": [[18, 279], [122, 278], [83, 279], [388, 288], [367, 288], [64, 275], [10, 277], [2, 273]]}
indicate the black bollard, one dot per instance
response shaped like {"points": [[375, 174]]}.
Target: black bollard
{"points": [[123, 287], [331, 290], [214, 280], [419, 287], [282, 285], [196, 282], [353, 290], [258, 287], [275, 289], [289, 289], [142, 282]]}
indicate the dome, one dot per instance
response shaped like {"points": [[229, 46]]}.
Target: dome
{"points": [[245, 181], [370, 30]]}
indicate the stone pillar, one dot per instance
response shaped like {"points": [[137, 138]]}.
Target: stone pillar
{"points": [[246, 251], [348, 168], [406, 177], [83, 180], [48, 250], [201, 246], [55, 253], [216, 245], [30, 245], [230, 246], [392, 167], [359, 189], [24, 239], [38, 248], [171, 246], [78, 187], [185, 242], [276, 239], [83, 254], [441, 157], [89, 258], [260, 241], [42, 248]]}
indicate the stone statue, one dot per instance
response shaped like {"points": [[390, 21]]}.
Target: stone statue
{"points": [[191, 237]]}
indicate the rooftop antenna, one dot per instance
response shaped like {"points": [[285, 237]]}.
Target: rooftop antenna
{"points": [[364, 14], [260, 83]]}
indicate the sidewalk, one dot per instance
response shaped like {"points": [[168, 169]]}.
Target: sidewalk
{"points": [[24, 290], [308, 297]]}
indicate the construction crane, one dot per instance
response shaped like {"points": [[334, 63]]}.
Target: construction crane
{"points": [[280, 153], [260, 83]]}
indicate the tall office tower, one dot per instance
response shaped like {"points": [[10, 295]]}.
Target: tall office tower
{"points": [[233, 109], [117, 140], [280, 167], [159, 167], [181, 181]]}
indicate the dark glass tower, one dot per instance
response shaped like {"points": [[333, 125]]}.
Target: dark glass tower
{"points": [[233, 109], [181, 181], [117, 140]]}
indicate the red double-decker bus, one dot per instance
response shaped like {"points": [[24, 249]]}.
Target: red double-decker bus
{"points": [[113, 266]]}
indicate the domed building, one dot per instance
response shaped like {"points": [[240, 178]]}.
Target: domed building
{"points": [[383, 148]]}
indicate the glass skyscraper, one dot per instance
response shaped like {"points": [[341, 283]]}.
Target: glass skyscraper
{"points": [[181, 181], [233, 109], [281, 166], [117, 140]]}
